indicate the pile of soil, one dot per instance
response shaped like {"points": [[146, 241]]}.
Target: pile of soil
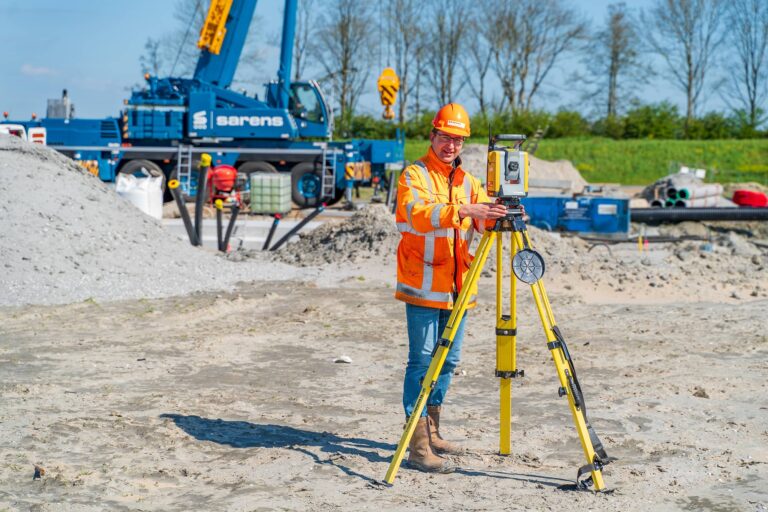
{"points": [[369, 233], [724, 264], [68, 237]]}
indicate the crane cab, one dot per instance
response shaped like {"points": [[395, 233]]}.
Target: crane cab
{"points": [[307, 106]]}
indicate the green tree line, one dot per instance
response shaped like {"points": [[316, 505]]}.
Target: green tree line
{"points": [[650, 121]]}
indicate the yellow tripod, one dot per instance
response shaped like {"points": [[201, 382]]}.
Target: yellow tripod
{"points": [[528, 266]]}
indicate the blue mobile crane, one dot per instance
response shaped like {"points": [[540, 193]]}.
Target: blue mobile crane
{"points": [[164, 127]]}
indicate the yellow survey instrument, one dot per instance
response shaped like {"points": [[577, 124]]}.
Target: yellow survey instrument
{"points": [[389, 84], [527, 265], [507, 168]]}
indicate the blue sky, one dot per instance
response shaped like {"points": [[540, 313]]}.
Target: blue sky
{"points": [[92, 48]]}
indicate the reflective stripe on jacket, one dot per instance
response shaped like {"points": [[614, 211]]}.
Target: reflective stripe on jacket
{"points": [[429, 271]]}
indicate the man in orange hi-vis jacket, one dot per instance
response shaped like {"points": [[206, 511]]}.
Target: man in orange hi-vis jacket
{"points": [[439, 207]]}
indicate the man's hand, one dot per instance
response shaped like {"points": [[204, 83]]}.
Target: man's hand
{"points": [[483, 211]]}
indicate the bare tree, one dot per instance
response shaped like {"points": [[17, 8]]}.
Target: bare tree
{"points": [[685, 33], [178, 46], [305, 28], [619, 40], [343, 49], [479, 60], [407, 39], [417, 85], [151, 61], [748, 22], [447, 32], [528, 37], [612, 58]]}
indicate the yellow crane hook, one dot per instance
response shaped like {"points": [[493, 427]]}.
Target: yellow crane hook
{"points": [[389, 84]]}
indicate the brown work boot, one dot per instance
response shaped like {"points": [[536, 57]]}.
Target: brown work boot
{"points": [[439, 445], [420, 454]]}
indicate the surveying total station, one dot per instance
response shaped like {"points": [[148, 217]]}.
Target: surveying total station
{"points": [[507, 181]]}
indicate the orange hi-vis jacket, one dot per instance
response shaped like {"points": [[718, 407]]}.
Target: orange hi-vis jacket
{"points": [[433, 255]]}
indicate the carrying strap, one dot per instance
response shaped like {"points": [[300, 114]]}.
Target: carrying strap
{"points": [[601, 458]]}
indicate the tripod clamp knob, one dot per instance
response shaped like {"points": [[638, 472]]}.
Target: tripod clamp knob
{"points": [[510, 375]]}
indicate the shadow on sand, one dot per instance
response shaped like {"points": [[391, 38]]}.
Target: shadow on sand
{"points": [[243, 434], [548, 481]]}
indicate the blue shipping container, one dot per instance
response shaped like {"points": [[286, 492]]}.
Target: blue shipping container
{"points": [[581, 214]]}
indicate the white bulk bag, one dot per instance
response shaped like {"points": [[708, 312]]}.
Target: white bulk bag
{"points": [[145, 193]]}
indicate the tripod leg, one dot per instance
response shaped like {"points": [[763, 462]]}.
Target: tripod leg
{"points": [[505, 348], [565, 372], [441, 352]]}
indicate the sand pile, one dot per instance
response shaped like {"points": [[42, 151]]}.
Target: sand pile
{"points": [[474, 160], [369, 233], [732, 266], [67, 237]]}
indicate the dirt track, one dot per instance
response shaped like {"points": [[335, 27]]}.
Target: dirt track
{"points": [[233, 402]]}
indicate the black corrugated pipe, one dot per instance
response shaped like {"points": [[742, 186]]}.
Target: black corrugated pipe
{"points": [[654, 215], [182, 205], [298, 226], [202, 188], [233, 211], [390, 188], [272, 231], [219, 222]]}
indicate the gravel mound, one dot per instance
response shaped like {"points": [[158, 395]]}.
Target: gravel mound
{"points": [[369, 233], [67, 237]]}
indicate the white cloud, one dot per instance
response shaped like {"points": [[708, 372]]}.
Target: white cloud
{"points": [[30, 70]]}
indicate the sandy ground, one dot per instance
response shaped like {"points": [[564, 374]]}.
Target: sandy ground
{"points": [[233, 402]]}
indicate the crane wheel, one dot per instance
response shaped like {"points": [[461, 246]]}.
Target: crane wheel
{"points": [[306, 185]]}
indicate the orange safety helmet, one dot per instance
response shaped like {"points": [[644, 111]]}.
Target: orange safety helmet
{"points": [[452, 119]]}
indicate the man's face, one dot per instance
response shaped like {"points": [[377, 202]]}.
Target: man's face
{"points": [[447, 147]]}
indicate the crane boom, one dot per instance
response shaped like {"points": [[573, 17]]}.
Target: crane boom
{"points": [[286, 52], [222, 39]]}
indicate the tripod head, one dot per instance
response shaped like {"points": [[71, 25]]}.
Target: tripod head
{"points": [[513, 220]]}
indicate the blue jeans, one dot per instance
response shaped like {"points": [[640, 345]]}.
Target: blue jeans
{"points": [[425, 325]]}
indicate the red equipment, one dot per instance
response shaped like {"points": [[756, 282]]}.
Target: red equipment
{"points": [[750, 198], [221, 185]]}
